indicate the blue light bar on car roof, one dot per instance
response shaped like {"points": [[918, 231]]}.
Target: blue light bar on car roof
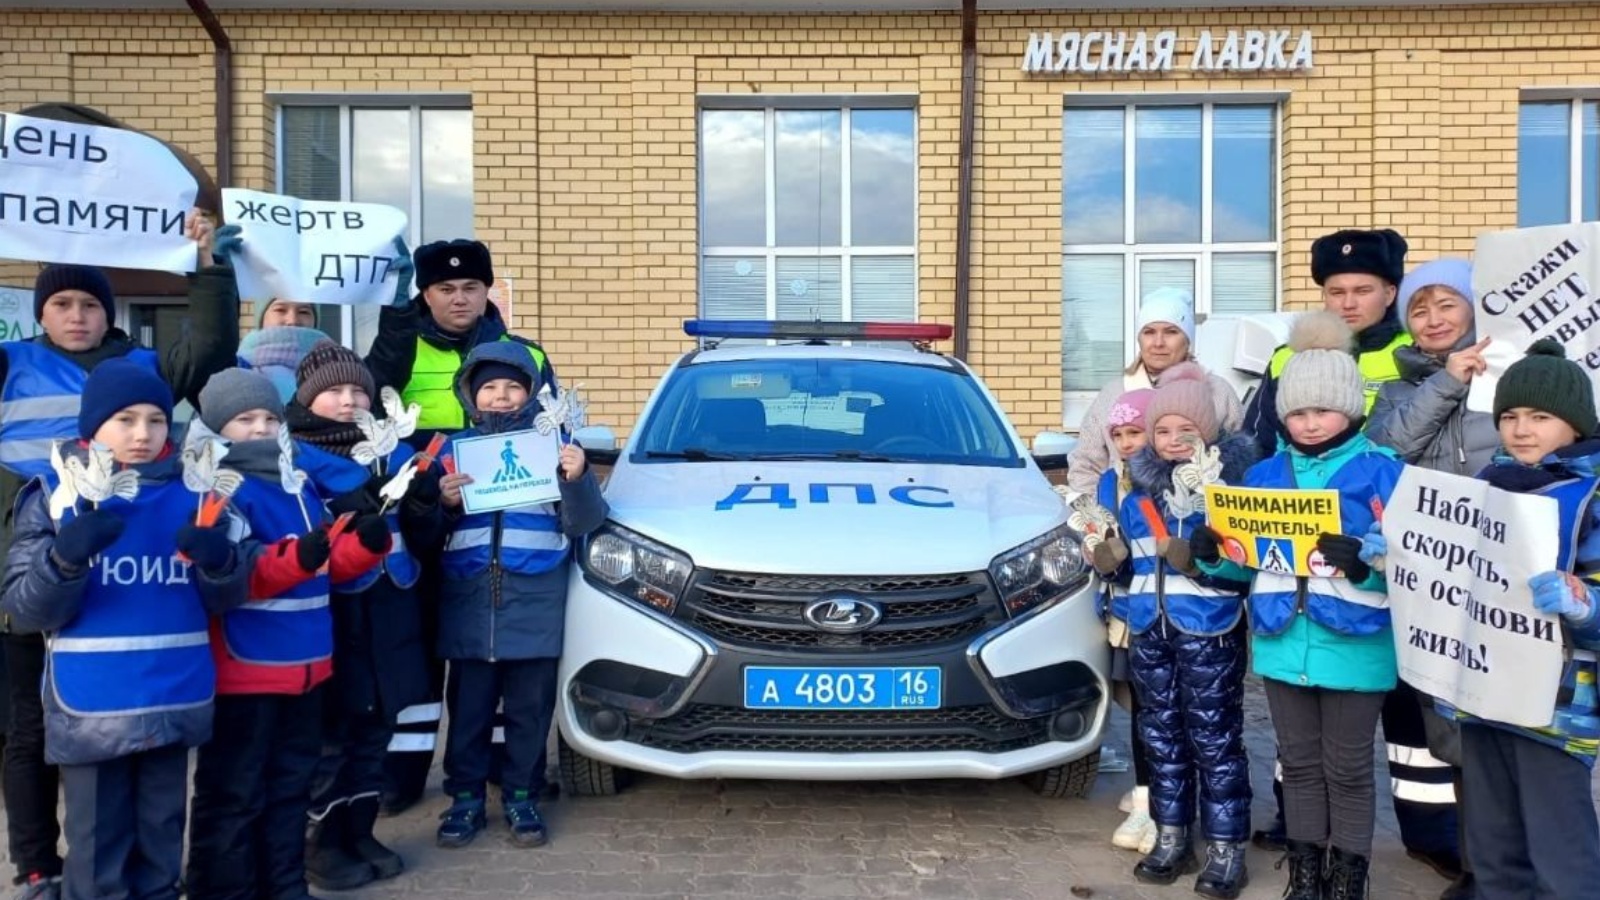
{"points": [[836, 331]]}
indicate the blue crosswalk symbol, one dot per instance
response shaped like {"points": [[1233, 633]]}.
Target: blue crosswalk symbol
{"points": [[1275, 555]]}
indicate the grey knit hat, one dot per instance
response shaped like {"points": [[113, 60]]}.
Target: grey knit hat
{"points": [[1322, 373], [234, 391]]}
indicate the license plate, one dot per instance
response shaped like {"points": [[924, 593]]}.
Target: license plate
{"points": [[775, 687]]}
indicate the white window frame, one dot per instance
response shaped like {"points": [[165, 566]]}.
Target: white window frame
{"points": [[1575, 98], [346, 104], [1132, 252], [844, 251]]}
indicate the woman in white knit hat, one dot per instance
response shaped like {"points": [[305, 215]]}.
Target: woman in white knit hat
{"points": [[1166, 338]]}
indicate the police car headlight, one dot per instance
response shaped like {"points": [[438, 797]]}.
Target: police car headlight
{"points": [[1041, 571], [637, 568]]}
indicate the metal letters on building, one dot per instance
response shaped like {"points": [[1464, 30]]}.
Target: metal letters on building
{"points": [[1121, 52]]}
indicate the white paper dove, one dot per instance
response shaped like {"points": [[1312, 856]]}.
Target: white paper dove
{"points": [[202, 457], [1189, 478], [1091, 519], [98, 480], [292, 479], [384, 435], [567, 410], [394, 490], [65, 495]]}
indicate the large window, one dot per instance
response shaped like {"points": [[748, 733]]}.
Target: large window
{"points": [[416, 157], [1558, 162], [1161, 195], [808, 213]]}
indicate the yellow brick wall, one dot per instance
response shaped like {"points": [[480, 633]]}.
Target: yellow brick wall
{"points": [[585, 176]]}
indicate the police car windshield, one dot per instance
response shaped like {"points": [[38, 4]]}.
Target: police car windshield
{"points": [[855, 410]]}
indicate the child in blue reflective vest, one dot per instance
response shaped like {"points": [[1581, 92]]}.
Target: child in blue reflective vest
{"points": [[1125, 422], [252, 781], [1324, 643], [1530, 817], [504, 603], [124, 590], [1187, 652]]}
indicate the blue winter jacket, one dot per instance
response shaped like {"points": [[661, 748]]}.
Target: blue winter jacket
{"points": [[1571, 476], [504, 594], [1197, 603], [128, 666], [1319, 631]]}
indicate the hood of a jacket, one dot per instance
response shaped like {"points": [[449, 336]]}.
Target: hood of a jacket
{"points": [[508, 353]]}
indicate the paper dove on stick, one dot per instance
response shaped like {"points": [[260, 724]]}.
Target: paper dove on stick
{"points": [[95, 478], [1189, 478], [202, 457], [384, 435], [565, 411]]}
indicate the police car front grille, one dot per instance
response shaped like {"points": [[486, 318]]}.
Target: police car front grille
{"points": [[701, 727], [765, 610]]}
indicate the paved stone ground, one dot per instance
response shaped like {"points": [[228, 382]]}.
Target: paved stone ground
{"points": [[938, 839]]}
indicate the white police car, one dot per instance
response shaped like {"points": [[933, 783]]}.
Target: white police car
{"points": [[830, 562]]}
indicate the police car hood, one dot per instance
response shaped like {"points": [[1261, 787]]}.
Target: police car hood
{"points": [[836, 518]]}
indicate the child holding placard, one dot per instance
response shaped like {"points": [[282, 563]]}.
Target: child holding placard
{"points": [[503, 605], [1532, 821], [1324, 644], [1186, 655]]}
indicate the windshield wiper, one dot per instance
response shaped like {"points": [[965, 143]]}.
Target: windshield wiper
{"points": [[696, 454], [852, 455]]}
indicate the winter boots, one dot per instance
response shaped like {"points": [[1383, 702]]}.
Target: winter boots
{"points": [[1173, 856], [1224, 874], [1305, 870], [363, 815], [1138, 831], [330, 866], [1347, 876]]}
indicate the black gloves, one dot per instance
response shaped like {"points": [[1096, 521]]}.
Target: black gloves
{"points": [[1344, 553], [423, 493], [1205, 544], [86, 535], [312, 550], [209, 549], [373, 533], [362, 500]]}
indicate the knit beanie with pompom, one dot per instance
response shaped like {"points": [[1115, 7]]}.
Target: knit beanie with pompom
{"points": [[1185, 390], [1322, 373]]}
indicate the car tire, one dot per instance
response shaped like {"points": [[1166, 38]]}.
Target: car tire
{"points": [[582, 776], [1073, 780]]}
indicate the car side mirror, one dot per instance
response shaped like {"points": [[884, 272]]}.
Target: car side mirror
{"points": [[1050, 450], [599, 443]]}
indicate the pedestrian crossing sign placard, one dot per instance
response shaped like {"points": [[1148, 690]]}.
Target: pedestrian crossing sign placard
{"points": [[1275, 555]]}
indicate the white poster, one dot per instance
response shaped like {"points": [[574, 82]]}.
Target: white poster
{"points": [[92, 196], [16, 314], [314, 251], [517, 468], [1535, 283], [1460, 555]]}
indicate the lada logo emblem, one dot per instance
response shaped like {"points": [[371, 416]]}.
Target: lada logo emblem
{"points": [[842, 615]]}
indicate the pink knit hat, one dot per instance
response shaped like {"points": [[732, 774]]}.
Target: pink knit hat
{"points": [[1185, 390], [1129, 410]]}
